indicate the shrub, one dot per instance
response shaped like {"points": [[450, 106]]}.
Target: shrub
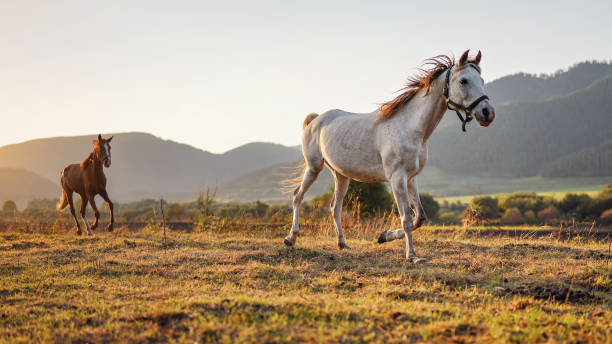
{"points": [[575, 205], [530, 216], [9, 209], [606, 217], [430, 205], [512, 216], [549, 214], [258, 209], [485, 208], [601, 202], [370, 198], [526, 201]]}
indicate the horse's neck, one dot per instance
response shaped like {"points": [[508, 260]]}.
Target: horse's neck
{"points": [[93, 164], [423, 113]]}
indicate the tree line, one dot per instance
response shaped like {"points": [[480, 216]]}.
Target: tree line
{"points": [[363, 200]]}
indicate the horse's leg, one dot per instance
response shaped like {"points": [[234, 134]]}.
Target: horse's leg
{"points": [[92, 201], [84, 202], [110, 206], [71, 204], [310, 175], [418, 219], [399, 185], [415, 204], [341, 186]]}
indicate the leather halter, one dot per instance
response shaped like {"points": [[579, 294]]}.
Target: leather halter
{"points": [[456, 106]]}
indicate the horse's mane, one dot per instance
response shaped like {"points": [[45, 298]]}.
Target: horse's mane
{"points": [[87, 160], [422, 80]]}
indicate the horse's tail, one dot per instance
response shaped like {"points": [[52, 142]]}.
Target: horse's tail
{"points": [[293, 180], [63, 202]]}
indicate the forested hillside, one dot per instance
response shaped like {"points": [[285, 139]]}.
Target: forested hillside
{"points": [[523, 87], [526, 136]]}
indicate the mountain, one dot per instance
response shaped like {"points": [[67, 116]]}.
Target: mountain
{"points": [[266, 184], [21, 185], [524, 87], [526, 136], [144, 165]]}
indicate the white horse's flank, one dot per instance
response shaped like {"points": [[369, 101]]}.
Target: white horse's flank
{"points": [[393, 147]]}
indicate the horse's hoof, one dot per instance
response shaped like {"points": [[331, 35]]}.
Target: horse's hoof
{"points": [[94, 226], [417, 260], [383, 237], [79, 232], [343, 245], [288, 241], [109, 228]]}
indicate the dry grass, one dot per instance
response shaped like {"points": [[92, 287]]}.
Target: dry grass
{"points": [[247, 287]]}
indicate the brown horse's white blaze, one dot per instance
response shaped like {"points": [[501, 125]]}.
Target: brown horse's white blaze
{"points": [[88, 180], [390, 144]]}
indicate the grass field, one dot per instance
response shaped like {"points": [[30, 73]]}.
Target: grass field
{"points": [[247, 287], [558, 195]]}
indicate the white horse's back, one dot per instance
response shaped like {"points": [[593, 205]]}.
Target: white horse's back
{"points": [[347, 143]]}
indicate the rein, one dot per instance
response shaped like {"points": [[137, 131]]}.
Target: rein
{"points": [[456, 106]]}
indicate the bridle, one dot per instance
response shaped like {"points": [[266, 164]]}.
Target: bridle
{"points": [[456, 107], [101, 156]]}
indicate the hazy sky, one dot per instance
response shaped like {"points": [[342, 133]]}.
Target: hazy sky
{"points": [[220, 74]]}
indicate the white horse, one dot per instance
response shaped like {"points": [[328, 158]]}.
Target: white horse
{"points": [[390, 144]]}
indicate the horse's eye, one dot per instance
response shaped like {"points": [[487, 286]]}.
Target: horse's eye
{"points": [[463, 81]]}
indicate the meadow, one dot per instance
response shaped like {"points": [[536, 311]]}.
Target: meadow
{"points": [[244, 285]]}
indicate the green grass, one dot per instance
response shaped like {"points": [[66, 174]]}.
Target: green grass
{"points": [[558, 194], [248, 287]]}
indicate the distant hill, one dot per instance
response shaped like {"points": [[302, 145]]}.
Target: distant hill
{"points": [[21, 185], [265, 184], [526, 136], [144, 165], [589, 162], [523, 87]]}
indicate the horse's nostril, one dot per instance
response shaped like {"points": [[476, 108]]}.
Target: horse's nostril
{"points": [[485, 112]]}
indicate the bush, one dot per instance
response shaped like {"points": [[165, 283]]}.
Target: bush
{"points": [[258, 209], [549, 214], [512, 216], [526, 201], [574, 205], [484, 207], [371, 198], [9, 209], [530, 216], [601, 202], [430, 205], [606, 217]]}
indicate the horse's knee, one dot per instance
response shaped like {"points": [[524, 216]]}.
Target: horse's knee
{"points": [[407, 224]]}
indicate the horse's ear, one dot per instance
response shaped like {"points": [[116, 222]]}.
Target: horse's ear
{"points": [[478, 57], [109, 139], [464, 57], [99, 137]]}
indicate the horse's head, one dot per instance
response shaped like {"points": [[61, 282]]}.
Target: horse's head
{"points": [[102, 150], [465, 93]]}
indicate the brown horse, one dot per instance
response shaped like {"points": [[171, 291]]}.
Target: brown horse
{"points": [[88, 180]]}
